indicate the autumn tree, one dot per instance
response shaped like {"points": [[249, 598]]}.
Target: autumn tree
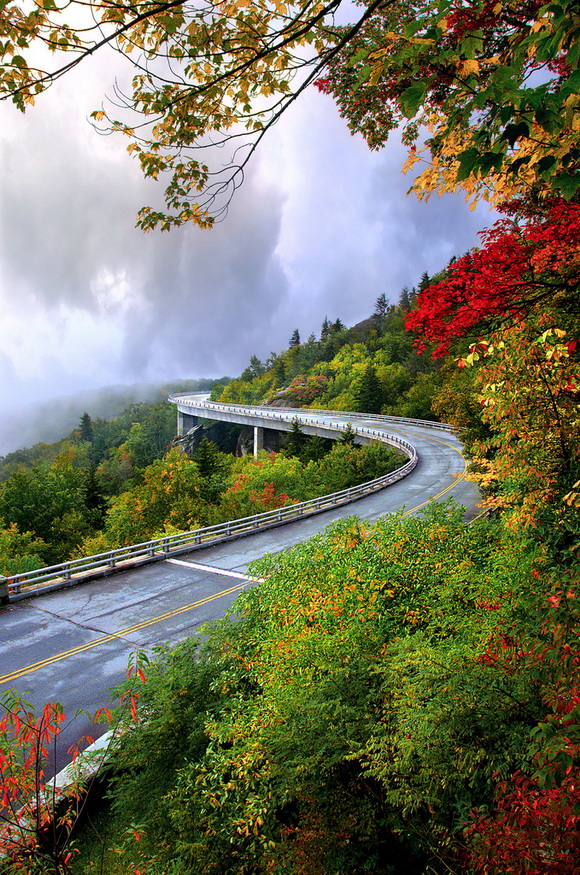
{"points": [[226, 71], [514, 300], [464, 72], [220, 72]]}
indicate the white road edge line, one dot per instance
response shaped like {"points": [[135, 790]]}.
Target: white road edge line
{"points": [[213, 570]]}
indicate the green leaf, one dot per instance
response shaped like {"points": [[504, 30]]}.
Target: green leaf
{"points": [[504, 77], [571, 85], [513, 132], [573, 55], [363, 76], [467, 162], [412, 27], [471, 46], [490, 161], [546, 164], [519, 162], [568, 184], [411, 99]]}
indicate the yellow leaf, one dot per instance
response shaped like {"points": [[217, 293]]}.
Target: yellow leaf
{"points": [[471, 65]]}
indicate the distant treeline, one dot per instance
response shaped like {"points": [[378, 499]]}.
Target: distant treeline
{"points": [[371, 367], [45, 422]]}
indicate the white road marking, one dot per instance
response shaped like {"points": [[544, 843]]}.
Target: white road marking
{"points": [[213, 570]]}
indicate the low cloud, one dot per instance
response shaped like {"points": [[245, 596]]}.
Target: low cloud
{"points": [[320, 228]]}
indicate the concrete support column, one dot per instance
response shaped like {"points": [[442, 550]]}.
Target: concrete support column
{"points": [[185, 422], [258, 440]]}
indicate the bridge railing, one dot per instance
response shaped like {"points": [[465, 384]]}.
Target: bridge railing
{"points": [[289, 413], [75, 571]]}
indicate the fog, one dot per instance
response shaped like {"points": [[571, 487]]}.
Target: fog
{"points": [[321, 227]]}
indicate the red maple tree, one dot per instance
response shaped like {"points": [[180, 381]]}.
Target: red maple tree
{"points": [[519, 266]]}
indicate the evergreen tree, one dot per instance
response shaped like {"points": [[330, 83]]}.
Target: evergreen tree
{"points": [[370, 395], [404, 300], [381, 306], [255, 369], [207, 459], [325, 329], [424, 281], [86, 428], [257, 366], [348, 435], [296, 439], [295, 339]]}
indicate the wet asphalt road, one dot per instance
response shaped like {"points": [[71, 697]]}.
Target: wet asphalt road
{"points": [[73, 646]]}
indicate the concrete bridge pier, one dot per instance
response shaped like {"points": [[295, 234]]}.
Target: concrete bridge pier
{"points": [[185, 422], [258, 440]]}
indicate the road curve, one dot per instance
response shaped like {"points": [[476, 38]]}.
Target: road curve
{"points": [[73, 645]]}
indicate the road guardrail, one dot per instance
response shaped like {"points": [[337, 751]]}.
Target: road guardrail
{"points": [[76, 571]]}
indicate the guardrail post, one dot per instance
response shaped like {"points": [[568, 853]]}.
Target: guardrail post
{"points": [[3, 591], [66, 573]]}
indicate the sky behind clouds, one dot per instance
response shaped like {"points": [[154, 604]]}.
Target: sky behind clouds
{"points": [[321, 227]]}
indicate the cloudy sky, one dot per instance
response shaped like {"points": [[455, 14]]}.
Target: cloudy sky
{"points": [[321, 227]]}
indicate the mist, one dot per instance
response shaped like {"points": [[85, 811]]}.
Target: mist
{"points": [[320, 228]]}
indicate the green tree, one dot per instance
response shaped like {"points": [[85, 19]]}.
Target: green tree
{"points": [[86, 428], [20, 551], [369, 394], [295, 339], [213, 467], [254, 369], [295, 440], [404, 300], [48, 501], [381, 305]]}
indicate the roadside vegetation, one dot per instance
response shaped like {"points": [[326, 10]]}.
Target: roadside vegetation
{"points": [[402, 697], [115, 482]]}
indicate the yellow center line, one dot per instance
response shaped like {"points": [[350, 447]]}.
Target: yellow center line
{"points": [[81, 648], [114, 635]]}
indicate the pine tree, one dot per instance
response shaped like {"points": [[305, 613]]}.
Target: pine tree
{"points": [[370, 395], [295, 339], [381, 306], [207, 458], [296, 439], [424, 281], [86, 428], [404, 300]]}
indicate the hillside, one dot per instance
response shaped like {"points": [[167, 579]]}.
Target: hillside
{"points": [[395, 697]]}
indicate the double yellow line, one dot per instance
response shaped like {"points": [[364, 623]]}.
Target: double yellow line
{"points": [[12, 676]]}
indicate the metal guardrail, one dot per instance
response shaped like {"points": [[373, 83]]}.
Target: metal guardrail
{"points": [[75, 571], [289, 413]]}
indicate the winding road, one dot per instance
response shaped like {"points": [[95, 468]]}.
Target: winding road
{"points": [[73, 645]]}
